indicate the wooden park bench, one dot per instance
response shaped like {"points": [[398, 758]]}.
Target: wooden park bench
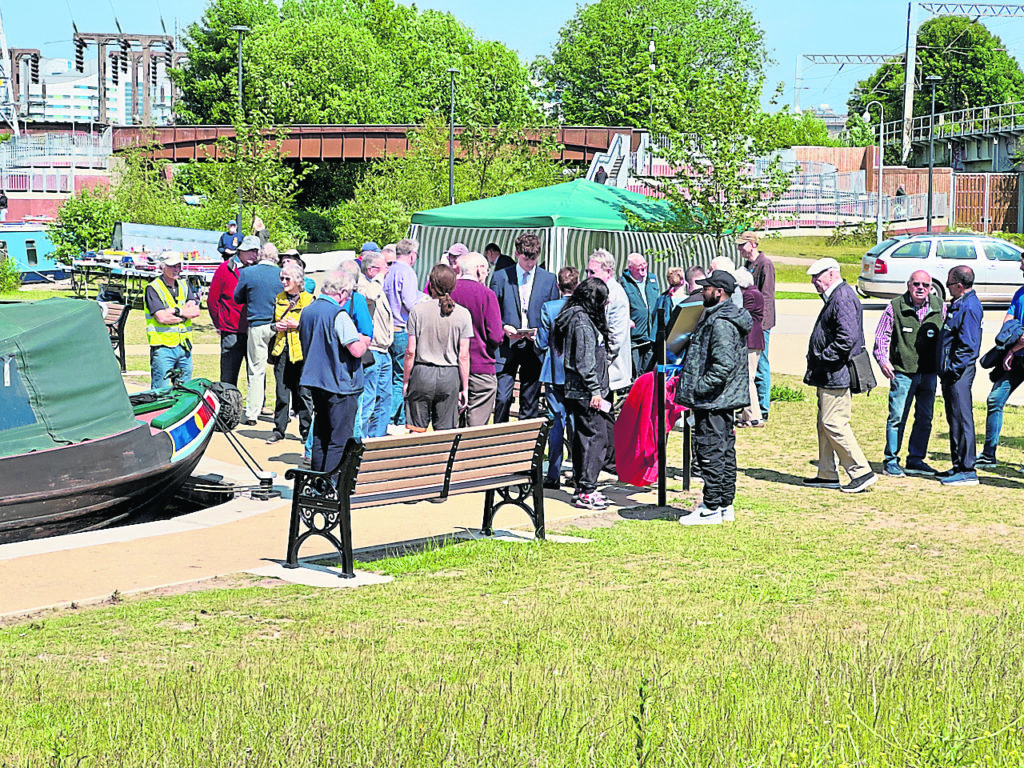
{"points": [[115, 316], [504, 461]]}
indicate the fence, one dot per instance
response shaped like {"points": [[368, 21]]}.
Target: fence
{"points": [[987, 201], [851, 208], [84, 150], [42, 180]]}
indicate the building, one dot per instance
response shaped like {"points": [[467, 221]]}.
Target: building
{"points": [[64, 95]]}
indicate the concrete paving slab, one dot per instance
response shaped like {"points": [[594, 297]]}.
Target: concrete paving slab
{"points": [[313, 575]]}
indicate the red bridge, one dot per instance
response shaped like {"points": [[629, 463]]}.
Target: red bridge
{"points": [[338, 142]]}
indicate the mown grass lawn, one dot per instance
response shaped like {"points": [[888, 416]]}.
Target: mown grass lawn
{"points": [[813, 247], [820, 629]]}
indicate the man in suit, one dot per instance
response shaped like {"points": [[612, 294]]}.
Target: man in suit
{"points": [[522, 290]]}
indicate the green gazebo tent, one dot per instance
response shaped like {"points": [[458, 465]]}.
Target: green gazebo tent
{"points": [[571, 219]]}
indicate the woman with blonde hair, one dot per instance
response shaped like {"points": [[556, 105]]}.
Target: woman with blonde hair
{"points": [[436, 385], [286, 354]]}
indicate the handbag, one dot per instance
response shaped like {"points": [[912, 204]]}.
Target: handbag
{"points": [[862, 376]]}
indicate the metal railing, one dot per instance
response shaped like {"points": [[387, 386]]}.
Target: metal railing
{"points": [[42, 180], [852, 208], [57, 149]]}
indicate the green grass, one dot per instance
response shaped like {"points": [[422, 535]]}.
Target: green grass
{"points": [[796, 273], [813, 247], [881, 629], [812, 294]]}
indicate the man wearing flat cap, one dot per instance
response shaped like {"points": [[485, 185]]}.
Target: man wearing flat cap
{"points": [[171, 306], [837, 336], [714, 384]]}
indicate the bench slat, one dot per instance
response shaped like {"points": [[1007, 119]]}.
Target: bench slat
{"points": [[405, 464], [378, 498], [414, 481], [474, 473], [493, 456], [408, 441], [487, 484], [372, 453], [511, 427]]}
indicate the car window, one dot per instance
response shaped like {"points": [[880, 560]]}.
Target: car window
{"points": [[956, 250], [1000, 251], [915, 250]]}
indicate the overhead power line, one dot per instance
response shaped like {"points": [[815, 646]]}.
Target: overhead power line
{"points": [[989, 10]]}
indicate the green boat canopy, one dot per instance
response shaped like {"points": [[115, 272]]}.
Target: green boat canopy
{"points": [[581, 204], [59, 380]]}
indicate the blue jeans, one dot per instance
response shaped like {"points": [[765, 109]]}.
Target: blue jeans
{"points": [[1001, 391], [376, 398], [906, 391], [763, 379], [561, 429], [163, 360], [398, 347]]}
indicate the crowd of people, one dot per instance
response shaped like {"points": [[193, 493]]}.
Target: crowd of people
{"points": [[376, 353]]}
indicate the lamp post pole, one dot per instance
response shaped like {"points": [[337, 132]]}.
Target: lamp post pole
{"points": [[934, 80], [650, 127], [241, 30], [451, 139], [881, 163]]}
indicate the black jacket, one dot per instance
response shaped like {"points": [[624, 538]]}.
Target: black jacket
{"points": [[837, 336], [714, 375]]}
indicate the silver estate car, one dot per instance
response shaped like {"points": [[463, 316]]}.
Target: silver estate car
{"points": [[885, 269]]}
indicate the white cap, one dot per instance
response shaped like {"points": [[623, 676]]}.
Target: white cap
{"points": [[822, 265], [169, 258]]}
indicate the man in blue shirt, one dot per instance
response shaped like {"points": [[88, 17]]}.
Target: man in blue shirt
{"points": [[959, 344], [1010, 374], [257, 289], [552, 376], [229, 241]]}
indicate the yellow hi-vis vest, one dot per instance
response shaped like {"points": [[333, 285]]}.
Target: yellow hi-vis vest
{"points": [[168, 335]]}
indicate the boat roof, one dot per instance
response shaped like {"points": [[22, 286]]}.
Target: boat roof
{"points": [[60, 383]]}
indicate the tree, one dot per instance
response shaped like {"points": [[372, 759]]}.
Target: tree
{"points": [[803, 131], [722, 183], [346, 61], [489, 164], [599, 72], [973, 66]]}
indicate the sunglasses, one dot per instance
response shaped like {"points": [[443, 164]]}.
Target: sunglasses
{"points": [[921, 285]]}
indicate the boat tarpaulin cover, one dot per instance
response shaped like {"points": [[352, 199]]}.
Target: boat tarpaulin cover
{"points": [[59, 380]]}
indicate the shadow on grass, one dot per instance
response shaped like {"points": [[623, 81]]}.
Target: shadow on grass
{"points": [[772, 476], [651, 512]]}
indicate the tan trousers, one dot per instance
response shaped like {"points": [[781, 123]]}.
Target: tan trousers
{"points": [[835, 437], [753, 411]]}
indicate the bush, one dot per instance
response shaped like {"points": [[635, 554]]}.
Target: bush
{"points": [[320, 225], [10, 275], [784, 394], [852, 234]]}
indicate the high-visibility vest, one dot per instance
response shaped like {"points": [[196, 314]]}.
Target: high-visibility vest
{"points": [[160, 335]]}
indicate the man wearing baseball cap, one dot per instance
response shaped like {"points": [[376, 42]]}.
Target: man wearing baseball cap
{"points": [[714, 384], [229, 241], [171, 305], [453, 253], [837, 336]]}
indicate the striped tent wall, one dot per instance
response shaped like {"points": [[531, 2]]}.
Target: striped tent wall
{"points": [[566, 245]]}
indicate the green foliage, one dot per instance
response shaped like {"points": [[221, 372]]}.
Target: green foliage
{"points": [[784, 394], [1011, 237], [489, 163], [861, 233], [973, 65], [858, 133], [10, 275], [715, 190], [144, 193], [319, 225], [599, 72], [345, 61], [85, 222], [803, 131]]}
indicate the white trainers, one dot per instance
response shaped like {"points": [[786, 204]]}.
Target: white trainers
{"points": [[728, 514], [702, 515]]}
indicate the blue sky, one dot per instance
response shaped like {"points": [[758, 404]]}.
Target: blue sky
{"points": [[792, 28]]}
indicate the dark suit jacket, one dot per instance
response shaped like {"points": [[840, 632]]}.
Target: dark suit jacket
{"points": [[505, 284]]}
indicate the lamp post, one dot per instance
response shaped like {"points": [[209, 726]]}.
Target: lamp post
{"points": [[881, 126], [934, 80], [241, 30], [451, 139], [650, 128]]}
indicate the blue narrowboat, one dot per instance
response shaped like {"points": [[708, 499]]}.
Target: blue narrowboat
{"points": [[32, 251]]}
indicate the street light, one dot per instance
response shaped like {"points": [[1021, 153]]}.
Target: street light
{"points": [[881, 126], [241, 29], [934, 80], [650, 127], [451, 139]]}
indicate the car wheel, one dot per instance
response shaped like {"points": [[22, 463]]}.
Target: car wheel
{"points": [[939, 290]]}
